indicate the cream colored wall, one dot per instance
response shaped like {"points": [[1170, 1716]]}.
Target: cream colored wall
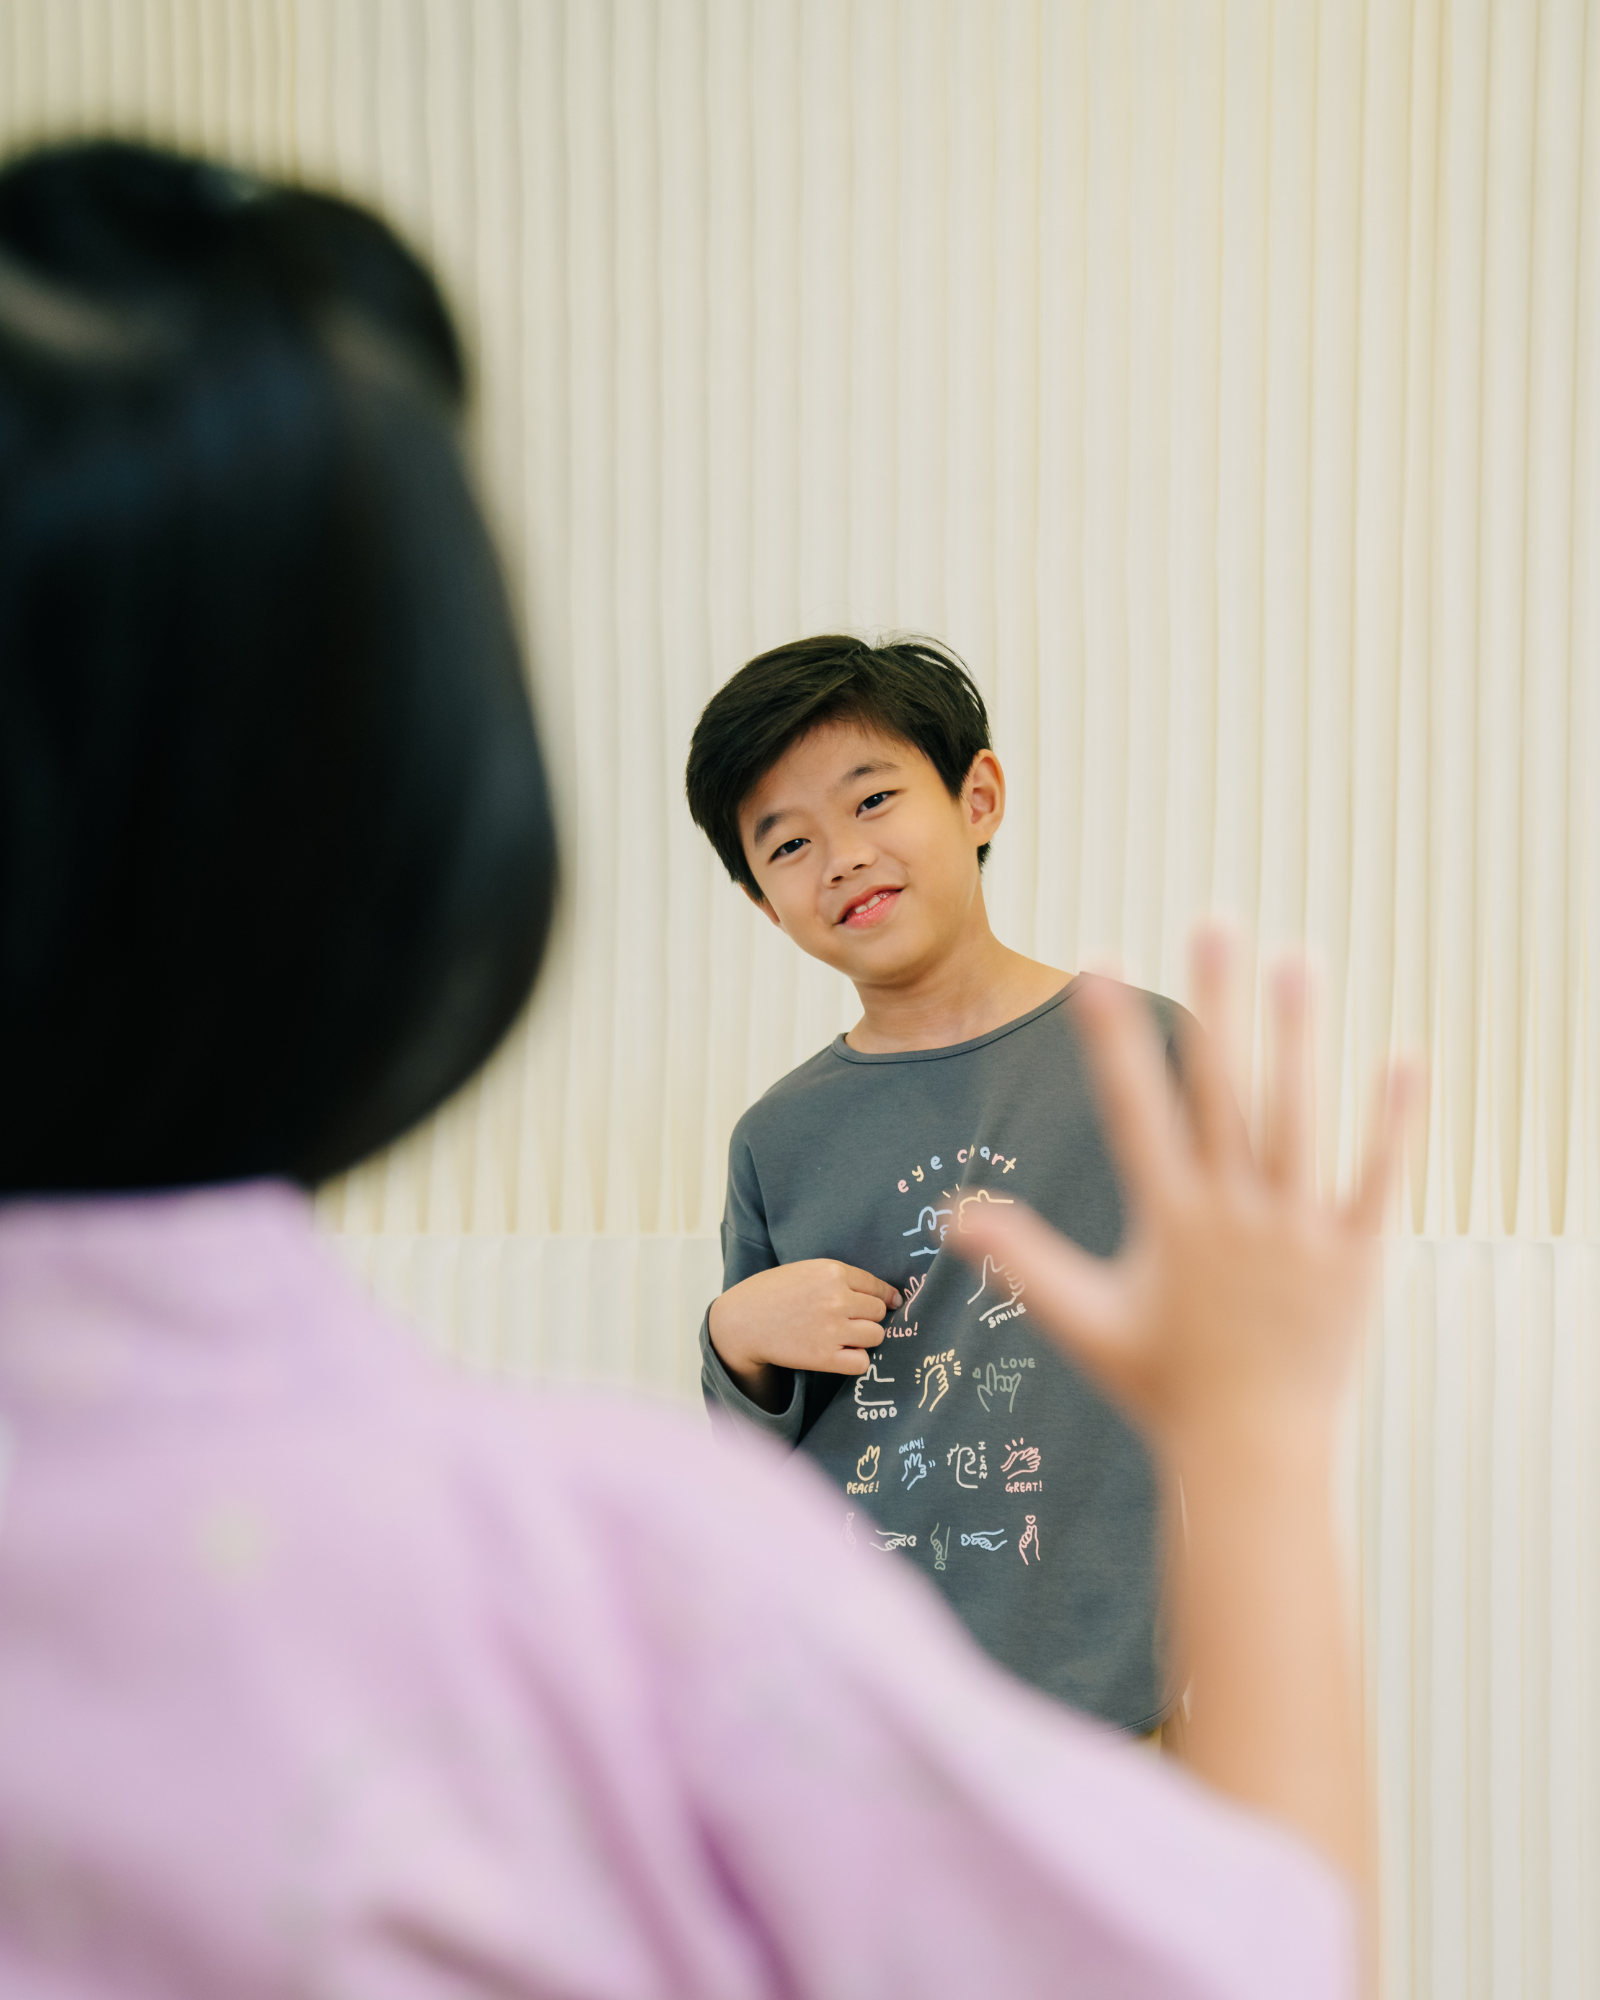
{"points": [[1222, 380]]}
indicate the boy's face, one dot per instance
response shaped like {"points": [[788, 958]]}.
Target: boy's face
{"points": [[863, 857]]}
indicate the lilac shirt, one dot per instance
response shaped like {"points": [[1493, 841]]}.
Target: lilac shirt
{"points": [[326, 1673]]}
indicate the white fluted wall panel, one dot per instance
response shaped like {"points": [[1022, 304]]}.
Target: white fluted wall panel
{"points": [[1479, 1559], [1220, 378]]}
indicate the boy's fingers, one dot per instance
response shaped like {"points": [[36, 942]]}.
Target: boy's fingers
{"points": [[1131, 1082], [1288, 1155], [865, 1332], [875, 1288], [1219, 1127], [1400, 1092]]}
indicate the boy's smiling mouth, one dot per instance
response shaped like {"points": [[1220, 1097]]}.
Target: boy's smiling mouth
{"points": [[870, 907]]}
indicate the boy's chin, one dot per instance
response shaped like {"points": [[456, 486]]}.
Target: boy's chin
{"points": [[881, 961]]}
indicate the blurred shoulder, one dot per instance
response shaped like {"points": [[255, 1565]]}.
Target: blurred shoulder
{"points": [[632, 1470]]}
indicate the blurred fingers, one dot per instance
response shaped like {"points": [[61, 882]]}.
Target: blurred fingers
{"points": [[1288, 1147], [1399, 1094], [1209, 1064], [1130, 1076], [1079, 1297]]}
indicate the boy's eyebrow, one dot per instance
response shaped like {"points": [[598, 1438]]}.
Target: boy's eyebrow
{"points": [[768, 821], [765, 824]]}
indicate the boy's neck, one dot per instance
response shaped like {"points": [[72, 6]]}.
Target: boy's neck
{"points": [[976, 987]]}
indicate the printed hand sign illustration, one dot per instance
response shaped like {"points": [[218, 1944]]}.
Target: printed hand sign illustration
{"points": [[930, 1222], [902, 1312], [969, 1462], [933, 1373], [870, 1406], [1030, 1539], [984, 1538], [891, 1538], [996, 1387], [867, 1464], [1010, 1288], [1021, 1457], [912, 1468], [940, 1549], [977, 1195]]}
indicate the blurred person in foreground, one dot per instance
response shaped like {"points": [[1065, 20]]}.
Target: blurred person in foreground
{"points": [[324, 1671]]}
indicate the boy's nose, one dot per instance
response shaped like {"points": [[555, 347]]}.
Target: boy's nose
{"points": [[850, 861]]}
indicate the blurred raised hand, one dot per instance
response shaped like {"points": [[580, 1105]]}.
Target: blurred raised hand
{"points": [[1226, 1327], [1237, 1298]]}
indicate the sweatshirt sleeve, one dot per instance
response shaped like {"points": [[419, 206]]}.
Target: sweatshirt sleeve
{"points": [[746, 1249]]}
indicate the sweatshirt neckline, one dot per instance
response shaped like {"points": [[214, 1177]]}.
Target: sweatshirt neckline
{"points": [[841, 1048]]}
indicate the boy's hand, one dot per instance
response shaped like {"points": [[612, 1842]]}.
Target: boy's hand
{"points": [[818, 1314]]}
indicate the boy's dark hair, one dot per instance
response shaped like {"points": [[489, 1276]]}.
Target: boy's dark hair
{"points": [[913, 690], [276, 855]]}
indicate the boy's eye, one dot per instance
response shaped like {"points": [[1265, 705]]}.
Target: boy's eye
{"points": [[876, 799], [788, 847]]}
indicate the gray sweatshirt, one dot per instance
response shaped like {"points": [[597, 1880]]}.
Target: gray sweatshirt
{"points": [[972, 1447]]}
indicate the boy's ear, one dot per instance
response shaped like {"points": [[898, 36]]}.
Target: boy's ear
{"points": [[761, 904], [983, 795]]}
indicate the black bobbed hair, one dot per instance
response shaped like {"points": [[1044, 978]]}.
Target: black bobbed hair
{"points": [[276, 852]]}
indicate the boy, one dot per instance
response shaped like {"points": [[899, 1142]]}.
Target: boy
{"points": [[851, 790]]}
